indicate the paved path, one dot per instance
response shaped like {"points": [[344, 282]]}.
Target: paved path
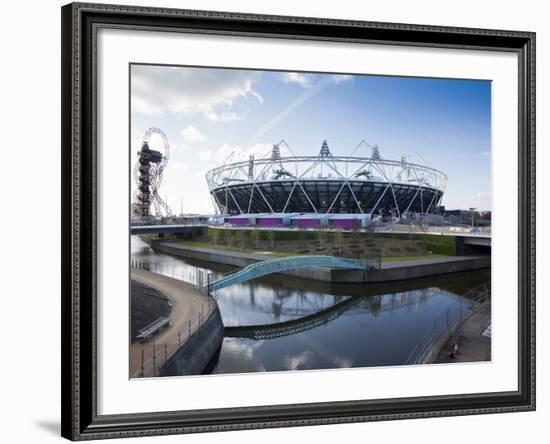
{"points": [[474, 344], [428, 261], [187, 303]]}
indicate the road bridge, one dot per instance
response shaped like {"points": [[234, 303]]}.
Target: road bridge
{"points": [[473, 245], [166, 229]]}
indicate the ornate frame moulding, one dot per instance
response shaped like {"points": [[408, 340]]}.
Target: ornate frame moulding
{"points": [[80, 418]]}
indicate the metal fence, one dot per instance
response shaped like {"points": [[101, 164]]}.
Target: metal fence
{"points": [[434, 229], [446, 327], [156, 354], [196, 276]]}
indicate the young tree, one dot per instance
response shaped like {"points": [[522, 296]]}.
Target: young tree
{"points": [[223, 236], [215, 235], [330, 237], [231, 236], [322, 236], [338, 240], [243, 236], [255, 235], [355, 233], [302, 238], [271, 237]]}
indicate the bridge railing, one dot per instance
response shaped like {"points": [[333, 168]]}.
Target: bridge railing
{"points": [[446, 326], [366, 262], [278, 265], [208, 283]]}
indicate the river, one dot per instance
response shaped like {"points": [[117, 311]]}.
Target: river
{"points": [[373, 325]]}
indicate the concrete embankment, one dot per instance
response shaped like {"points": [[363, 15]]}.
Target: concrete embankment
{"points": [[146, 306], [195, 328], [195, 354], [417, 268], [390, 271]]}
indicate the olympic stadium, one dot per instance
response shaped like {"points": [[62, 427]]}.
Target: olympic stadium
{"points": [[280, 189]]}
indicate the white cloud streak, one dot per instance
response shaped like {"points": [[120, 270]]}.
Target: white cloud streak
{"points": [[308, 93]]}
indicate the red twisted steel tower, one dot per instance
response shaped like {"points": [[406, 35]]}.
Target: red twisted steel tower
{"points": [[148, 177]]}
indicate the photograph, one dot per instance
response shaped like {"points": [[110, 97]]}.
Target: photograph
{"points": [[295, 221]]}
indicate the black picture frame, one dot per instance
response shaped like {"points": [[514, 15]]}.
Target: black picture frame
{"points": [[80, 22]]}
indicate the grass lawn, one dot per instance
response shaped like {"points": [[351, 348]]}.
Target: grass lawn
{"points": [[236, 249], [282, 254]]}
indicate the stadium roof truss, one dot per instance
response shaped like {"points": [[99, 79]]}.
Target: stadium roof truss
{"points": [[325, 184]]}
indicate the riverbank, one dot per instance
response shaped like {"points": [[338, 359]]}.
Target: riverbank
{"points": [[220, 247], [146, 306], [394, 270], [384, 325], [473, 338], [192, 315]]}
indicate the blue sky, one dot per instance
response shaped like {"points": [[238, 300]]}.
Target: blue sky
{"points": [[209, 113]]}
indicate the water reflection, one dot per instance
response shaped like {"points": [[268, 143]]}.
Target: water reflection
{"points": [[301, 324]]}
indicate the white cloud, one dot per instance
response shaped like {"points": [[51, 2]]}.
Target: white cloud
{"points": [[300, 361], [180, 166], [311, 80], [205, 154], [166, 89], [221, 117], [342, 362], [191, 134], [304, 80], [339, 78], [257, 95]]}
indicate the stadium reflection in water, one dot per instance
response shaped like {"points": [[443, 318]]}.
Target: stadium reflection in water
{"points": [[302, 324]]}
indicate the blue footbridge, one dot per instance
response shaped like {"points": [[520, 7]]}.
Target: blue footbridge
{"points": [[280, 265]]}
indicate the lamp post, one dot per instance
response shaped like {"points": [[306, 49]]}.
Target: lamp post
{"points": [[472, 210]]}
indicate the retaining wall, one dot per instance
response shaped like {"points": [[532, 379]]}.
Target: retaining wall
{"points": [[193, 356], [389, 272]]}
